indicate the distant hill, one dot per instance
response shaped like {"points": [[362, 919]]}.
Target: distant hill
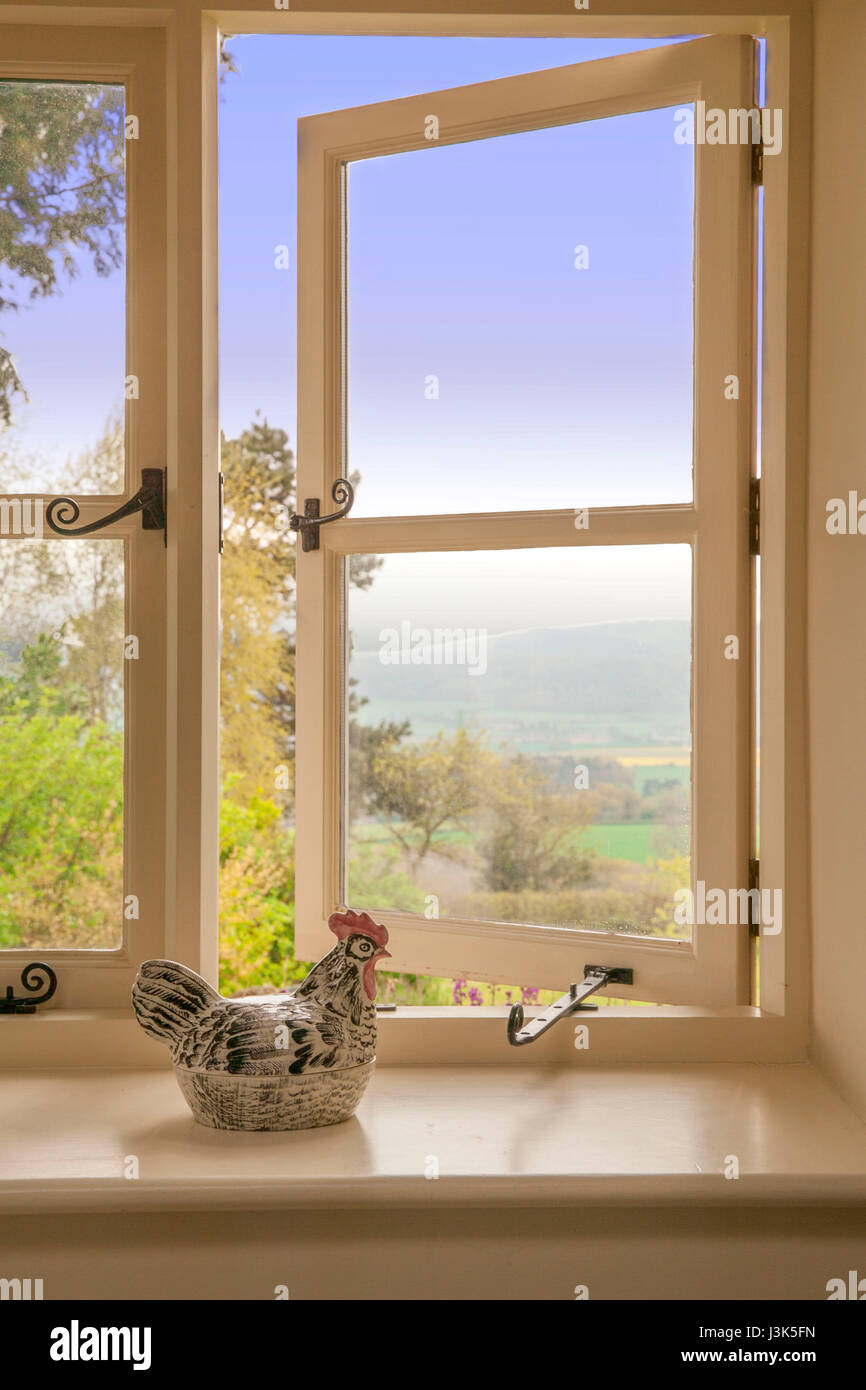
{"points": [[607, 683]]}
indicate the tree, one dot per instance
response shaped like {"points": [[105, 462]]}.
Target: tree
{"points": [[257, 910], [420, 788], [257, 659], [530, 842], [257, 667], [61, 825], [367, 742], [38, 682], [62, 193], [72, 588]]}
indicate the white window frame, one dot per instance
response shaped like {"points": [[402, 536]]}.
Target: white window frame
{"points": [[712, 968], [103, 977], [187, 33]]}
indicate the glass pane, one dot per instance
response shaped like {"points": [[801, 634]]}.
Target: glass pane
{"points": [[62, 279], [520, 321], [519, 743], [61, 743]]}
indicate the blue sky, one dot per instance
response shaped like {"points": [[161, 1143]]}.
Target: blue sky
{"points": [[70, 353], [557, 387], [579, 379]]}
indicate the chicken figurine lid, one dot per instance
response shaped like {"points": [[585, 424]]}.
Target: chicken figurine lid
{"points": [[280, 1061]]}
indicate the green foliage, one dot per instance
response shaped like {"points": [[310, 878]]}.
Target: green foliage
{"points": [[376, 880], [61, 851], [530, 844], [257, 889], [418, 788], [519, 834], [75, 590], [257, 655], [257, 659]]}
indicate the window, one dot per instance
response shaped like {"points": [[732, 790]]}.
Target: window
{"points": [[518, 466], [579, 463], [83, 644]]}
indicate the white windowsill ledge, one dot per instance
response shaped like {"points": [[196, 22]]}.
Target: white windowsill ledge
{"points": [[54, 1038], [650, 1134]]}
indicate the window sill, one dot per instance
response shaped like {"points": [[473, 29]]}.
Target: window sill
{"points": [[522, 1136], [68, 1038]]}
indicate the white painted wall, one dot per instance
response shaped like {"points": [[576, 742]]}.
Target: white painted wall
{"points": [[837, 564]]}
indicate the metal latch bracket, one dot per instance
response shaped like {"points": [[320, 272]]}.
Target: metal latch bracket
{"points": [[594, 977]]}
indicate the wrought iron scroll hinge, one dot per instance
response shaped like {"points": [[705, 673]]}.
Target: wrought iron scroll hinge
{"points": [[343, 494], [594, 977], [149, 500], [45, 979], [754, 516]]}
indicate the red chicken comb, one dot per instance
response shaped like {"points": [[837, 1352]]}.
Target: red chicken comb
{"points": [[343, 924]]}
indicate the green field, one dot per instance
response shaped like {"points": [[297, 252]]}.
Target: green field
{"points": [[632, 840], [533, 730], [629, 841], [660, 772]]}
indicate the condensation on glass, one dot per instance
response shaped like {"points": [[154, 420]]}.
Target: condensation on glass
{"points": [[518, 736]]}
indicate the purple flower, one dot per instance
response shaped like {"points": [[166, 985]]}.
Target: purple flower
{"points": [[475, 996], [529, 994], [457, 991]]}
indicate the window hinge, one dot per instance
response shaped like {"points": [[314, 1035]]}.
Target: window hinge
{"points": [[758, 164], [754, 887], [754, 516], [222, 487]]}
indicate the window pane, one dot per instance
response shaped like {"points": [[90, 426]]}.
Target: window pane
{"points": [[61, 743], [62, 278], [519, 741], [520, 321]]}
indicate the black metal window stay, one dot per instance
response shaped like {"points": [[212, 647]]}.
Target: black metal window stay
{"points": [[62, 512]]}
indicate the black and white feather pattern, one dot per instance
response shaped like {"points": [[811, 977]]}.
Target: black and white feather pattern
{"points": [[328, 1023]]}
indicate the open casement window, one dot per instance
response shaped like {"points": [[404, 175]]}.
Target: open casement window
{"points": [[82, 698], [439, 601]]}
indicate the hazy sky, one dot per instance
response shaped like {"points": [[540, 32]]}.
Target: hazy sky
{"points": [[512, 590]]}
